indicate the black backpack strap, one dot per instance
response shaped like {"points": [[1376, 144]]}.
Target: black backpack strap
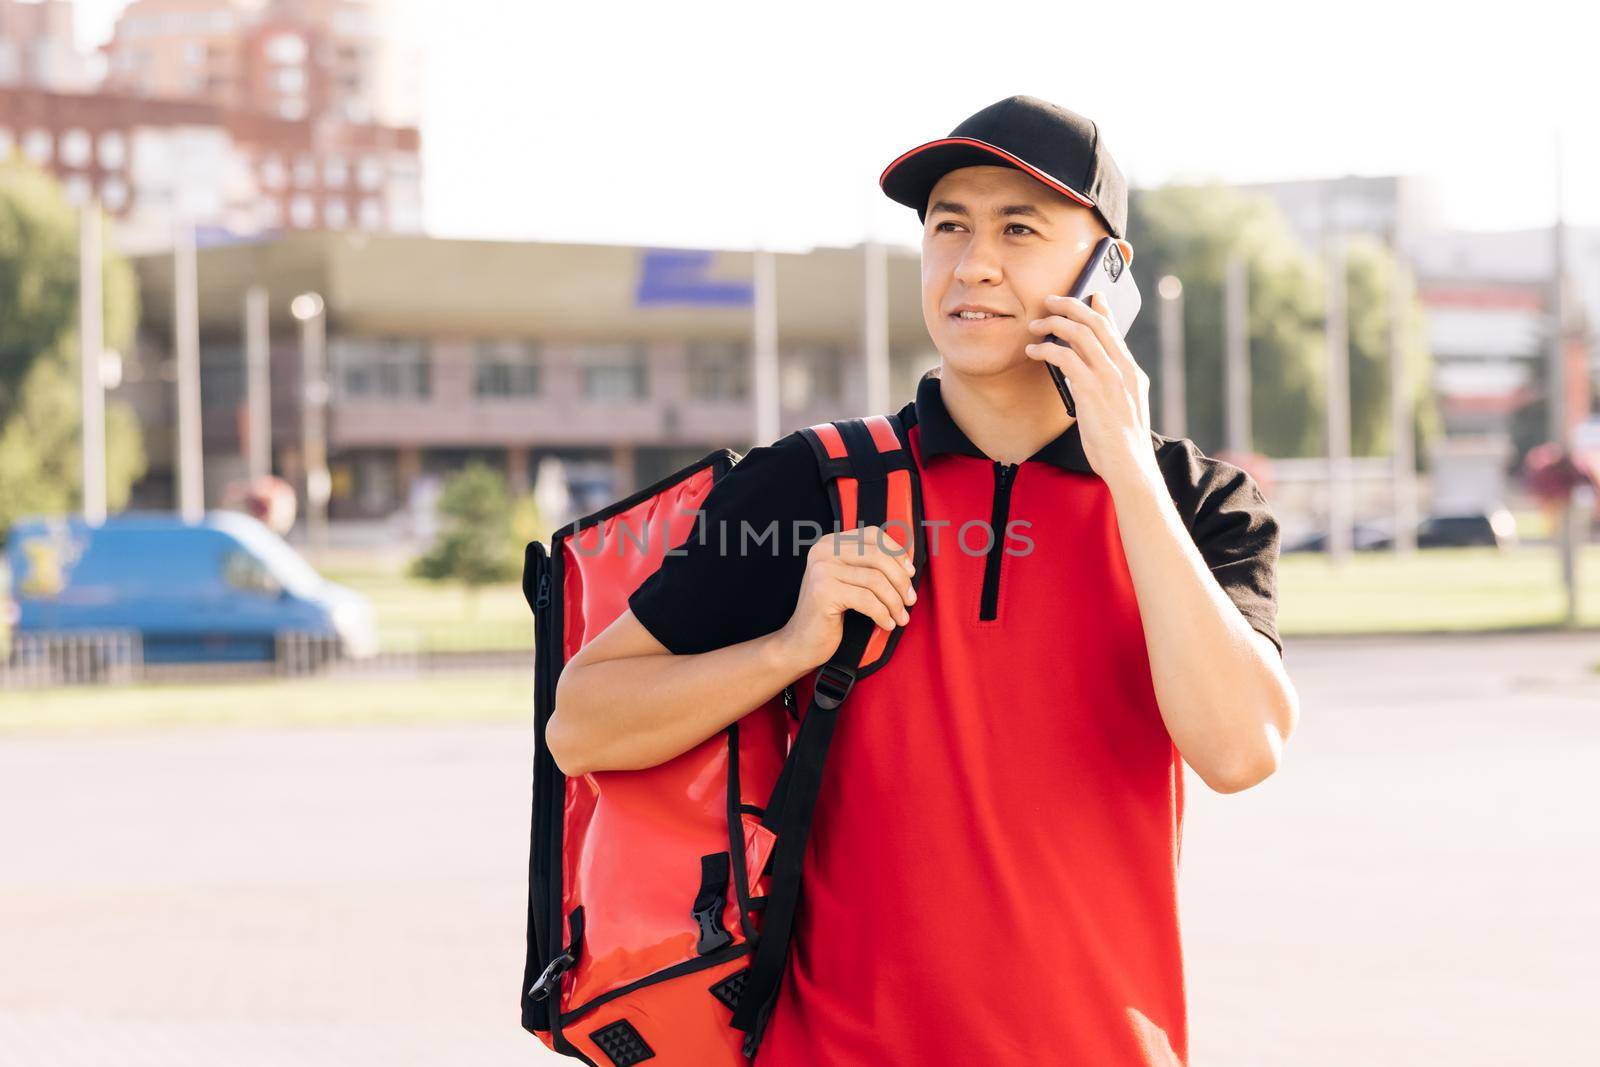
{"points": [[872, 481]]}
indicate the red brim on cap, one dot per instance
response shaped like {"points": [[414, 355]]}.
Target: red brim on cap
{"points": [[911, 177]]}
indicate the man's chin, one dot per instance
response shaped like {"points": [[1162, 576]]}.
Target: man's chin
{"points": [[978, 361]]}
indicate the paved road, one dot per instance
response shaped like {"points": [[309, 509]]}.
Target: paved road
{"points": [[1421, 885]]}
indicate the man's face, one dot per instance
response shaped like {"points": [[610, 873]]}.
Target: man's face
{"points": [[998, 239]]}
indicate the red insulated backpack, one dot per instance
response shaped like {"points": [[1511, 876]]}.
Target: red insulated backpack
{"points": [[661, 901]]}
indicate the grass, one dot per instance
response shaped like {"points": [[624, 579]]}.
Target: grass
{"points": [[1438, 589], [417, 615], [502, 696]]}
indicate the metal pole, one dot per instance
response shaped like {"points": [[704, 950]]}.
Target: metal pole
{"points": [[258, 383], [186, 347], [1401, 405], [311, 312], [91, 348], [875, 257], [1560, 426], [765, 348], [1236, 305], [1338, 409], [1174, 422]]}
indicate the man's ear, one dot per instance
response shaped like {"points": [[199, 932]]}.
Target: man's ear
{"points": [[1127, 251]]}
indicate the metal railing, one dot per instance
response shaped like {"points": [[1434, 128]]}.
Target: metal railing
{"points": [[105, 657], [42, 660]]}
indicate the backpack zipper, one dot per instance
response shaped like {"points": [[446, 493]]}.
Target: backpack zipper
{"points": [[1003, 479]]}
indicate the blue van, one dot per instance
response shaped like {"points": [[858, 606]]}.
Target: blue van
{"points": [[220, 589]]}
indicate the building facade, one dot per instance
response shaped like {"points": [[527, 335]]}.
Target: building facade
{"points": [[443, 351], [237, 119], [335, 60], [37, 48]]}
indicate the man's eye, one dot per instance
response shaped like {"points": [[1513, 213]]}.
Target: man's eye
{"points": [[940, 227]]}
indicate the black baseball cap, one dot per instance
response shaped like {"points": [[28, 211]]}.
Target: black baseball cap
{"points": [[1058, 147]]}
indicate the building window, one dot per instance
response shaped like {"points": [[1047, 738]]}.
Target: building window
{"points": [[273, 174], [286, 48], [75, 148], [38, 146], [335, 173], [305, 172], [78, 190], [335, 215], [371, 214], [506, 370], [115, 194], [290, 80], [381, 369], [812, 373], [614, 372], [222, 376], [719, 370], [302, 212], [113, 150], [370, 173]]}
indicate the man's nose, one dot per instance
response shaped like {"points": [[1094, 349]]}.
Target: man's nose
{"points": [[978, 262]]}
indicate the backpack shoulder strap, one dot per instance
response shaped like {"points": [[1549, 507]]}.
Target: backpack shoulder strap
{"points": [[872, 480]]}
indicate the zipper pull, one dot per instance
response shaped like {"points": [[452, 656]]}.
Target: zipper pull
{"points": [[542, 598]]}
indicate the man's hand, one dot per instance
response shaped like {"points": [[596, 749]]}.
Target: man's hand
{"points": [[864, 570], [1109, 388]]}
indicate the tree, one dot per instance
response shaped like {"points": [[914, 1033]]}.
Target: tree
{"points": [[41, 468], [1369, 279], [1191, 231], [477, 542]]}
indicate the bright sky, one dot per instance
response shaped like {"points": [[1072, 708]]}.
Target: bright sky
{"points": [[719, 124]]}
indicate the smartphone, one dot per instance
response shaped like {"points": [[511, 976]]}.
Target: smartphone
{"points": [[1106, 272]]}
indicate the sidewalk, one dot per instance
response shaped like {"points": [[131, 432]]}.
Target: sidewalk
{"points": [[1420, 884]]}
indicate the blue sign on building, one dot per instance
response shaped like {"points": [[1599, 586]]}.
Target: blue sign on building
{"points": [[668, 276]]}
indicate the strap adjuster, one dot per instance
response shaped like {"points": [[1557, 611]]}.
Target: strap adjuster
{"points": [[833, 685], [552, 975]]}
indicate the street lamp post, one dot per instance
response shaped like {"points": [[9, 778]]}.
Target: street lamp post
{"points": [[1173, 389], [311, 313], [91, 325]]}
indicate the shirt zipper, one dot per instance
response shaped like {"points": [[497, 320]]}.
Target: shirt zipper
{"points": [[1003, 478]]}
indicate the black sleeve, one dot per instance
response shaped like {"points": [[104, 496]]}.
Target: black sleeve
{"points": [[1234, 528], [737, 575]]}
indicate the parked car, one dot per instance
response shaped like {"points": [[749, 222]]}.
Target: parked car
{"points": [[1497, 528], [1363, 537], [224, 588]]}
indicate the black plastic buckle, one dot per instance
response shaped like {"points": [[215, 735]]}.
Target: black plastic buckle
{"points": [[830, 691], [709, 902], [552, 975]]}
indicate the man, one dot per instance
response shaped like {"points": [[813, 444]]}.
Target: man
{"points": [[991, 874]]}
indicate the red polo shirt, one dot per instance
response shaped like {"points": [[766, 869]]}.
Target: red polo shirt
{"points": [[992, 869]]}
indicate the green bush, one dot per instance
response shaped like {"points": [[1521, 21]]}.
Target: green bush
{"points": [[477, 542]]}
